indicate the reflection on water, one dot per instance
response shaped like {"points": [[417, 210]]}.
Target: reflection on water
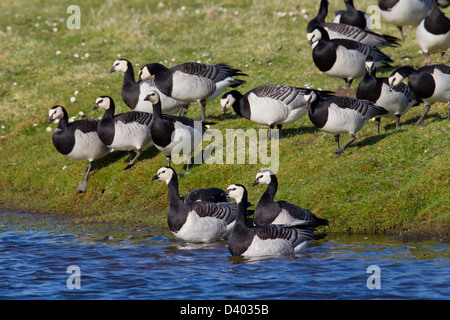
{"points": [[118, 263]]}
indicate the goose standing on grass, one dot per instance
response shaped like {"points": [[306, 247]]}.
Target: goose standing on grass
{"points": [[342, 58], [433, 33], [191, 81], [338, 115], [352, 16], [429, 83], [77, 140], [133, 93], [404, 12], [125, 131], [198, 221], [264, 240], [346, 31], [397, 102], [272, 105], [171, 133], [268, 211]]}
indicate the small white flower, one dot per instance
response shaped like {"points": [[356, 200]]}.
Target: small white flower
{"points": [[86, 55], [119, 55], [64, 168], [55, 29], [72, 99], [8, 28], [76, 55], [81, 113], [15, 84], [303, 11], [83, 43], [48, 129], [76, 92], [35, 124], [58, 52], [183, 8]]}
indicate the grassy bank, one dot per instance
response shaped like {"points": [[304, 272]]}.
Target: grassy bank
{"points": [[393, 182]]}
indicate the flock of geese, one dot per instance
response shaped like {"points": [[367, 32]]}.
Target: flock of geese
{"points": [[160, 99]]}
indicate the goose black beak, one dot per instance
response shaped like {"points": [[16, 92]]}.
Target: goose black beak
{"points": [[255, 183], [147, 98], [50, 120], [112, 70], [155, 177], [95, 107], [310, 43]]}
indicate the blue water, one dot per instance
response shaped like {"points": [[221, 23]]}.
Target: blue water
{"points": [[37, 250]]}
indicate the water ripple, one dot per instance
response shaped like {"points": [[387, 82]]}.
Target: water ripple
{"points": [[36, 251]]}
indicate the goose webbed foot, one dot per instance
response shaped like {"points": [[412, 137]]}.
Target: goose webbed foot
{"points": [[82, 185]]}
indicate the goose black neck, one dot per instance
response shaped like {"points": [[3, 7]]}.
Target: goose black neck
{"points": [[157, 112], [174, 195], [128, 77], [64, 121], [242, 210], [109, 113], [271, 190]]}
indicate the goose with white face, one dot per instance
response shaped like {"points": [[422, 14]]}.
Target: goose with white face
{"points": [[119, 65]]}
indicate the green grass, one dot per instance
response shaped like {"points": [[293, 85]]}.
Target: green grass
{"points": [[394, 182]]}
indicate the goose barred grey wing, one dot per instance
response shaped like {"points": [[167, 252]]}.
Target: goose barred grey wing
{"points": [[134, 116], [346, 31], [85, 125], [222, 210], [289, 95], [302, 214], [291, 234], [216, 73], [365, 107]]}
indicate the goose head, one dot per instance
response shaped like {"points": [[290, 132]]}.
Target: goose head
{"points": [[370, 65], [315, 36], [263, 177], [236, 191], [103, 102], [55, 113], [228, 100], [310, 96], [150, 69], [120, 65], [152, 96], [165, 174]]}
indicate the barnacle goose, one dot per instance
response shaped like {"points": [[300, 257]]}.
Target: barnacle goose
{"points": [[352, 16], [338, 115], [433, 32], [404, 12], [198, 221], [397, 102], [125, 131], [346, 31], [77, 140], [133, 93], [192, 81], [172, 133], [430, 83], [268, 211], [264, 240], [272, 104], [342, 58]]}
